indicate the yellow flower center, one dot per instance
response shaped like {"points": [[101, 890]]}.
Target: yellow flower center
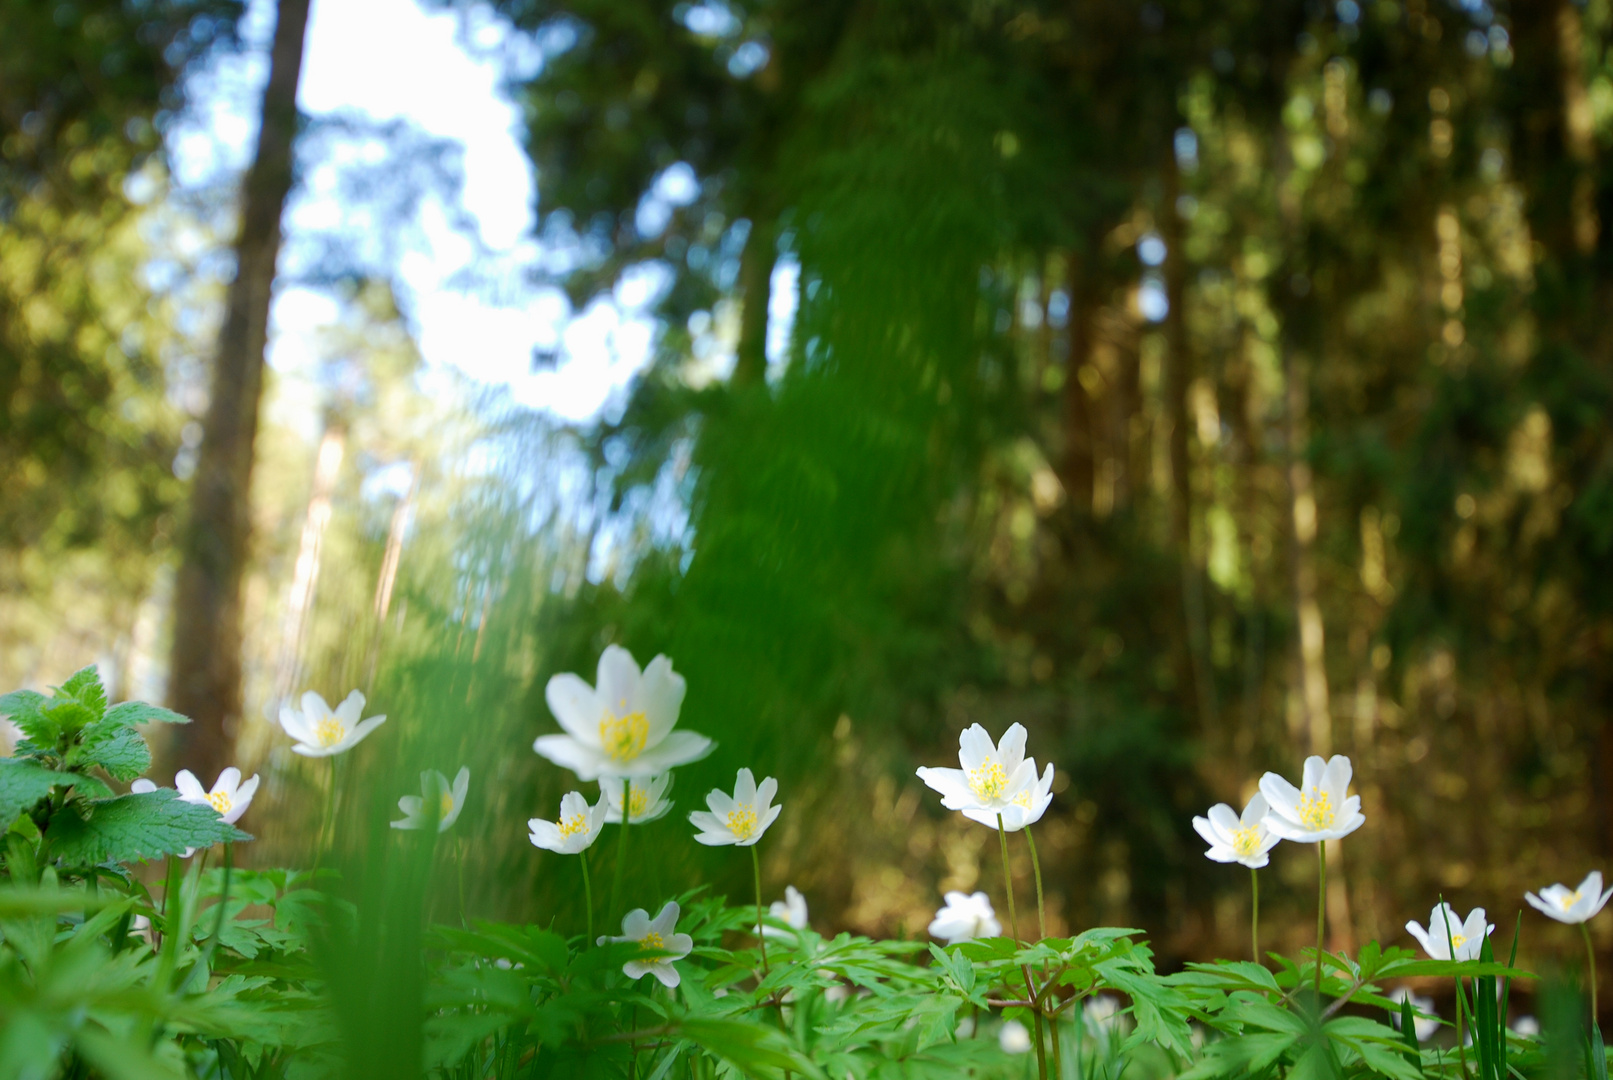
{"points": [[1316, 810], [1023, 798], [570, 827], [329, 731], [1458, 940], [1246, 841], [1569, 900], [446, 807], [652, 940], [742, 822], [989, 780], [221, 802], [638, 800], [623, 737]]}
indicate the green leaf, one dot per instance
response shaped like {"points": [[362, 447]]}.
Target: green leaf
{"points": [[138, 712], [84, 687], [25, 709], [113, 746], [132, 828], [22, 784], [125, 1058]]}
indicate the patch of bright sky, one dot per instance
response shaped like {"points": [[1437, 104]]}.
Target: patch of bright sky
{"points": [[394, 60]]}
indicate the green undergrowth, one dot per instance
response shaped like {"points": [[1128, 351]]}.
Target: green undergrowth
{"points": [[209, 971]]}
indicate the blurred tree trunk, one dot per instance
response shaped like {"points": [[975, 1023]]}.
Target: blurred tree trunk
{"points": [[756, 287], [1078, 425], [205, 669], [1178, 375]]}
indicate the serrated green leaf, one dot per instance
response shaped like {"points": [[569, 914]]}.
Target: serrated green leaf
{"points": [[122, 1058], [113, 746], [138, 712], [21, 705], [22, 784], [131, 828], [84, 687]]}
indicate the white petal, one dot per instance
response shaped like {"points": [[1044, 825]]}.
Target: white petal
{"points": [[314, 709], [351, 708], [618, 681], [575, 706], [1416, 930], [1255, 811], [141, 786], [544, 834], [636, 924], [1225, 820], [722, 804], [189, 788], [1315, 769], [587, 762], [661, 696], [665, 919], [1282, 797], [974, 747], [357, 734], [764, 794], [1011, 750], [314, 750], [295, 724], [679, 748], [666, 973], [1336, 778], [228, 782], [745, 788], [1205, 829]]}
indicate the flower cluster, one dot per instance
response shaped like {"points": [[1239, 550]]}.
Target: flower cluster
{"points": [[622, 732]]}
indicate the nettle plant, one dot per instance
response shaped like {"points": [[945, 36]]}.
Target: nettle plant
{"points": [[229, 973]]}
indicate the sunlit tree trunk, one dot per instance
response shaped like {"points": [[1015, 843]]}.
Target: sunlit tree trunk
{"points": [[305, 573], [205, 672]]}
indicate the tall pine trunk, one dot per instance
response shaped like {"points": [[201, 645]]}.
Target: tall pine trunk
{"points": [[205, 669]]}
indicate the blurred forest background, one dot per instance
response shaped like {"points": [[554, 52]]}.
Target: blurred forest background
{"points": [[1202, 385]]}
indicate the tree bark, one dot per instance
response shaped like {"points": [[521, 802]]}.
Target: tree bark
{"points": [[756, 287], [205, 669], [1178, 374]]}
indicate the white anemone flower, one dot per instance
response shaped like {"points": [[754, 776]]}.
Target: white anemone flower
{"points": [[648, 798], [741, 818], [992, 776], [1572, 906], [654, 935], [1424, 1021], [623, 725], [229, 796], [1013, 1038], [1028, 806], [577, 829], [1320, 808], [435, 790], [965, 918], [141, 786], [320, 731], [1445, 931], [792, 910], [1241, 838]]}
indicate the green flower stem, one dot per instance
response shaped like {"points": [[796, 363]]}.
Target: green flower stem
{"points": [[1321, 913], [1036, 865], [1254, 912], [621, 850], [459, 858], [1041, 1051], [1461, 1025], [1008, 880], [1058, 1051], [588, 900], [761, 938], [1590, 956]]}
